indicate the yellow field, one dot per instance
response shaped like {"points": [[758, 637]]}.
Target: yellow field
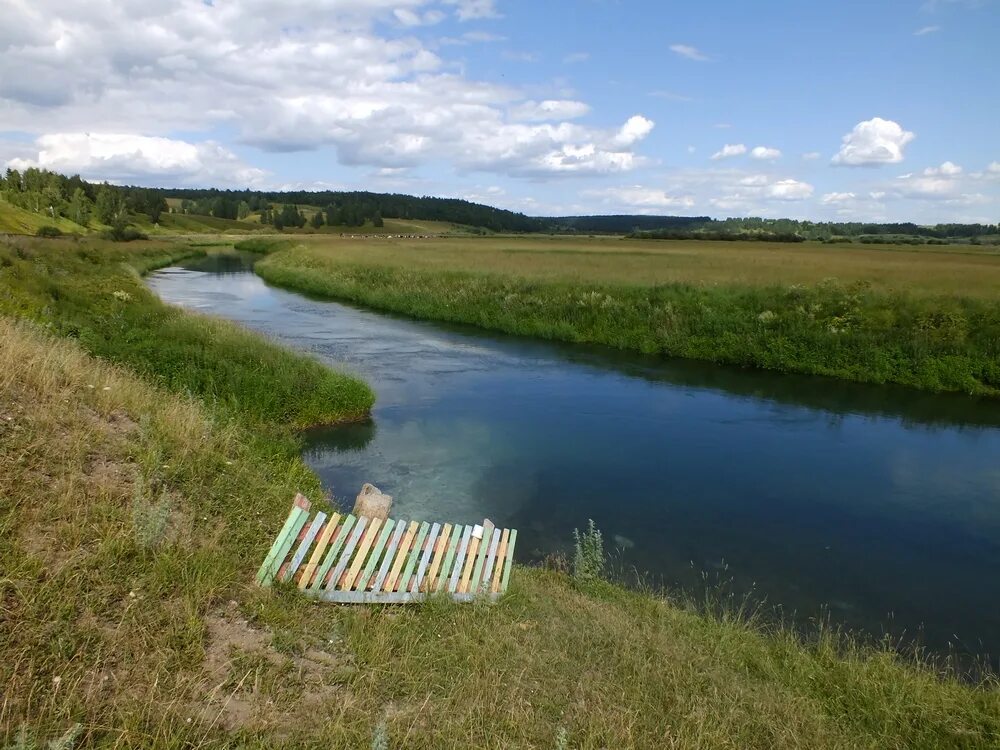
{"points": [[964, 270]]}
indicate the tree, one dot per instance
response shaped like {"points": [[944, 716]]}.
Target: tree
{"points": [[279, 224], [79, 208], [243, 210], [110, 205], [317, 220], [333, 217], [377, 219]]}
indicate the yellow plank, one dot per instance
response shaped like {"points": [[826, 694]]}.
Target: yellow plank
{"points": [[371, 534], [470, 561], [439, 548], [401, 554], [317, 555], [498, 564]]}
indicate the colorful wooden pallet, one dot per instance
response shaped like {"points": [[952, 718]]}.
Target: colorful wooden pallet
{"points": [[359, 560]]}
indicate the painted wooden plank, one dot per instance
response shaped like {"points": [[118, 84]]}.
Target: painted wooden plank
{"points": [[484, 550], [498, 566], [345, 556], [321, 542], [337, 543], [393, 597], [474, 544], [463, 547], [449, 557], [390, 555], [297, 519], [481, 579], [510, 560], [439, 550], [304, 545], [411, 561], [402, 551], [286, 530], [361, 555], [366, 575], [426, 558]]}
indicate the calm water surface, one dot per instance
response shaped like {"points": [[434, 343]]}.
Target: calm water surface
{"points": [[880, 504]]}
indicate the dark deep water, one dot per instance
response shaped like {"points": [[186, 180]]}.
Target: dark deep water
{"points": [[880, 504]]}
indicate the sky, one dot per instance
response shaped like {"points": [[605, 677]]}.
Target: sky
{"points": [[885, 110]]}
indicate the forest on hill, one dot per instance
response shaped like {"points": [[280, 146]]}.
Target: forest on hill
{"points": [[58, 197]]}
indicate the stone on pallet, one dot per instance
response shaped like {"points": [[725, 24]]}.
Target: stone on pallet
{"points": [[371, 502]]}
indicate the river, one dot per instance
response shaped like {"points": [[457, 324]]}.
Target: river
{"points": [[878, 507]]}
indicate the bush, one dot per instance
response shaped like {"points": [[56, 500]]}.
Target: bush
{"points": [[123, 234], [588, 554], [48, 231]]}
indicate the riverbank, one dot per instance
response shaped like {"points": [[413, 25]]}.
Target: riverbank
{"points": [[861, 331], [141, 507]]}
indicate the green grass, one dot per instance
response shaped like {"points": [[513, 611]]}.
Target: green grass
{"points": [[855, 331], [15, 220], [137, 505], [91, 291]]}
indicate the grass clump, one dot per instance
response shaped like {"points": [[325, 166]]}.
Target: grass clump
{"points": [[262, 245], [589, 561], [851, 331]]}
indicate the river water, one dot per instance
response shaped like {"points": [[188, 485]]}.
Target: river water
{"points": [[877, 506]]}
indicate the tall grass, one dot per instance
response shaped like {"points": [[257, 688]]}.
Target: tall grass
{"points": [[855, 332]]}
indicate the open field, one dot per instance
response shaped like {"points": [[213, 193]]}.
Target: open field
{"points": [[965, 270], [920, 318], [135, 516]]}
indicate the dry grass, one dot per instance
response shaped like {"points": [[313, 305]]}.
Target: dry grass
{"points": [[171, 645], [969, 271]]}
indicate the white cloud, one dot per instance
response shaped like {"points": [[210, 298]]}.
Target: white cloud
{"points": [[730, 150], [691, 53], [550, 109], [124, 158], [408, 17], [789, 190], [811, 155], [926, 30], [873, 142], [638, 197], [831, 198], [576, 57], [471, 10], [634, 130], [948, 169], [765, 153], [322, 78], [994, 167]]}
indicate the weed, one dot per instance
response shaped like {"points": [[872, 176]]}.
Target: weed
{"points": [[589, 562]]}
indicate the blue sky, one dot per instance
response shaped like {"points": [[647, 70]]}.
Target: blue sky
{"points": [[850, 110]]}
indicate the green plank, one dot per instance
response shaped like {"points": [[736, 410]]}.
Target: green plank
{"points": [[445, 571], [376, 553], [332, 554], [484, 550], [286, 538], [414, 554]]}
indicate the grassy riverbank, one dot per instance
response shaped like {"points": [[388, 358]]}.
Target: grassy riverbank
{"points": [[140, 494], [866, 329]]}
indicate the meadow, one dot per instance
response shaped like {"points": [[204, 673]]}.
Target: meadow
{"points": [[926, 318]]}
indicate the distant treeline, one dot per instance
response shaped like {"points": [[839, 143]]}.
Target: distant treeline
{"points": [[73, 198]]}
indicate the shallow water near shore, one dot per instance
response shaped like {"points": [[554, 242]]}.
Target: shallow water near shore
{"points": [[879, 505]]}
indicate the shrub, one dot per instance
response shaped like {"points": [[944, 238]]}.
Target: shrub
{"points": [[588, 554], [48, 231]]}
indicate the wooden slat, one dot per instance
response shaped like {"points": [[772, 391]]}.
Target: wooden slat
{"points": [[401, 553], [390, 555], [470, 560], [439, 550], [345, 556], [426, 558], [360, 556], [484, 549], [498, 565], [394, 597], [366, 575], [296, 520], [463, 547], [510, 560], [411, 562], [449, 557], [337, 543], [304, 545], [321, 542], [481, 579]]}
